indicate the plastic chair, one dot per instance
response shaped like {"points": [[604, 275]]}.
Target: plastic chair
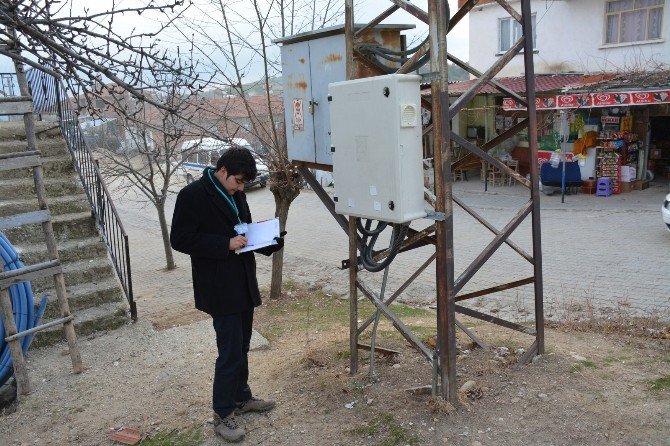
{"points": [[604, 187]]}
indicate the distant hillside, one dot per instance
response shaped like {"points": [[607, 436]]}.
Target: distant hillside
{"points": [[457, 73], [254, 88]]}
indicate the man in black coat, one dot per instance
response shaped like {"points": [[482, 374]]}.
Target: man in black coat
{"points": [[208, 225]]}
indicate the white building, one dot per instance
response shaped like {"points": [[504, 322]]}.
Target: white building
{"points": [[587, 36]]}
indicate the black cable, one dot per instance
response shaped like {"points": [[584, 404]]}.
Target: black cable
{"points": [[384, 50], [380, 54], [374, 50], [389, 70], [381, 225], [367, 248]]}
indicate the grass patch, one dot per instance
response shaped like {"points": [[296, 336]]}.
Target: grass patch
{"points": [[590, 364], [272, 332], [307, 309], [613, 359], [660, 384], [406, 311], [578, 367], [343, 354], [387, 432], [175, 437], [289, 285], [612, 321], [422, 331]]}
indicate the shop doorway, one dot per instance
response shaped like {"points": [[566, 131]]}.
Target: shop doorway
{"points": [[659, 148]]}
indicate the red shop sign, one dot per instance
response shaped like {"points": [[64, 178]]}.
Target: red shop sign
{"points": [[574, 100], [611, 99], [650, 97]]}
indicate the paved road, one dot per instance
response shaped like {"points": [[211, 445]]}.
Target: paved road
{"points": [[608, 253]]}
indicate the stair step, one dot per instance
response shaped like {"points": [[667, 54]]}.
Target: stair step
{"points": [[64, 204], [47, 147], [15, 189], [52, 166], [78, 272], [84, 295], [94, 294], [66, 227], [68, 251], [16, 130], [108, 316]]}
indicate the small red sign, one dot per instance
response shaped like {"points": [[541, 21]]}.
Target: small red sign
{"points": [[610, 119]]}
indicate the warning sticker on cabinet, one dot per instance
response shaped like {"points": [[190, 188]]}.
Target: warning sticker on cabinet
{"points": [[298, 115]]}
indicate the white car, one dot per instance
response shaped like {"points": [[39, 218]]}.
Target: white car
{"points": [[200, 153], [665, 211]]}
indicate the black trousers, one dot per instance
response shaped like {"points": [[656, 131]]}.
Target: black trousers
{"points": [[231, 372]]}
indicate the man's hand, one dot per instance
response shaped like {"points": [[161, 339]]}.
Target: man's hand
{"points": [[280, 240], [237, 242]]}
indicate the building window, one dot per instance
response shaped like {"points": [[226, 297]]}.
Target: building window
{"points": [[509, 31], [633, 20]]}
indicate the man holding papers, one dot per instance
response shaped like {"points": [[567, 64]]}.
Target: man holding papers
{"points": [[210, 222]]}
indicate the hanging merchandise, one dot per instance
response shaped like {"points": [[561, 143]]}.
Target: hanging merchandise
{"points": [[581, 158], [577, 125], [627, 123]]}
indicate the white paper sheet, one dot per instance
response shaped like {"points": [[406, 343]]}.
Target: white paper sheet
{"points": [[261, 234]]}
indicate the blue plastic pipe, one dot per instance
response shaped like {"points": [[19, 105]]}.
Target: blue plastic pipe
{"points": [[21, 296]]}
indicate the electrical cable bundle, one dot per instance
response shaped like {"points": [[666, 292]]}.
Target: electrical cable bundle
{"points": [[367, 248], [21, 296], [375, 52]]}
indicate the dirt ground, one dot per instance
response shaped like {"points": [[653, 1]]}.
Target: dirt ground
{"points": [[588, 389]]}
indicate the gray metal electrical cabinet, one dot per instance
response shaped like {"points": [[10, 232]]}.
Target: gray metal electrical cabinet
{"points": [[311, 61]]}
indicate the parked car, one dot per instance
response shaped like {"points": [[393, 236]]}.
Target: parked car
{"points": [[665, 211], [200, 153]]}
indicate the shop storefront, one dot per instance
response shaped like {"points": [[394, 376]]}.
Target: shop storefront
{"points": [[620, 135]]}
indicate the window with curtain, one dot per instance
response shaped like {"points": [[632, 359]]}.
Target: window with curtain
{"points": [[509, 31], [633, 20]]}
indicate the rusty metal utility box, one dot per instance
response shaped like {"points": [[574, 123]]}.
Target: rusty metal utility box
{"points": [[311, 61]]}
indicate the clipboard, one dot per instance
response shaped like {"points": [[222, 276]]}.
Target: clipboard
{"points": [[260, 235]]}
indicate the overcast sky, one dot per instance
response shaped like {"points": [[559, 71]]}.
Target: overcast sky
{"points": [[365, 10]]}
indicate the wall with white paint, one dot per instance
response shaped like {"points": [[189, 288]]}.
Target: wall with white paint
{"points": [[570, 37]]}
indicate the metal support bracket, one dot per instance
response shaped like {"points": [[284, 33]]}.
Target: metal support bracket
{"points": [[437, 216]]}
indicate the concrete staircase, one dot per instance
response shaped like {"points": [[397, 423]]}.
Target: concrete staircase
{"points": [[95, 296]]}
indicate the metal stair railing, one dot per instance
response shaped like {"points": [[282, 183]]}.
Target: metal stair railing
{"points": [[49, 97]]}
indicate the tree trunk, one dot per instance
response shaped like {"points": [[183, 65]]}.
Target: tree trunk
{"points": [[283, 200], [169, 257]]}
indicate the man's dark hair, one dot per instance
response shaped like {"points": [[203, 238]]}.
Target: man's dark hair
{"points": [[238, 160]]}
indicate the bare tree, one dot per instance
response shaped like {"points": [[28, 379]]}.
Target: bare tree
{"points": [[87, 51], [247, 44], [151, 148], [152, 94]]}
